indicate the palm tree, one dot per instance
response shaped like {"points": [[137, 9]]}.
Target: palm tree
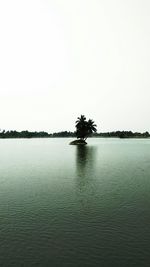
{"points": [[91, 126], [80, 121], [84, 128], [81, 127]]}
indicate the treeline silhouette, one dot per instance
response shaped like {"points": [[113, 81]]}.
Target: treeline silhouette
{"points": [[123, 134], [42, 134], [22, 134]]}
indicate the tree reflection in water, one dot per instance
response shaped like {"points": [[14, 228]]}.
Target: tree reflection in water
{"points": [[85, 163]]}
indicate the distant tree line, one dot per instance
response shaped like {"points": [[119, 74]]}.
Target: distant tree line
{"points": [[22, 134], [123, 134], [63, 134], [42, 134], [28, 134]]}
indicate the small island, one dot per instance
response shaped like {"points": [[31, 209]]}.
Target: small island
{"points": [[78, 142]]}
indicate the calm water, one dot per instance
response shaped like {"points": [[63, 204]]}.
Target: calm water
{"points": [[64, 205]]}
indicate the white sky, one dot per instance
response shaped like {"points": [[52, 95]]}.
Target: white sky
{"points": [[63, 58]]}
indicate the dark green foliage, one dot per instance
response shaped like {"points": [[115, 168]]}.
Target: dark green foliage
{"points": [[84, 128], [63, 134], [81, 133], [27, 134], [123, 134], [22, 134]]}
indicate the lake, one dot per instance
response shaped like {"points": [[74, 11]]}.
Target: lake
{"points": [[64, 205]]}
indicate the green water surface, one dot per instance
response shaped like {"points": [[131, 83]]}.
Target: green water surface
{"points": [[64, 205]]}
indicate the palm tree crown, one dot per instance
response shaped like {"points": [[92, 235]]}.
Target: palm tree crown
{"points": [[91, 126], [84, 128]]}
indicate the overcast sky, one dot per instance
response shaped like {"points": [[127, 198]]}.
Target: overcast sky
{"points": [[63, 58]]}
